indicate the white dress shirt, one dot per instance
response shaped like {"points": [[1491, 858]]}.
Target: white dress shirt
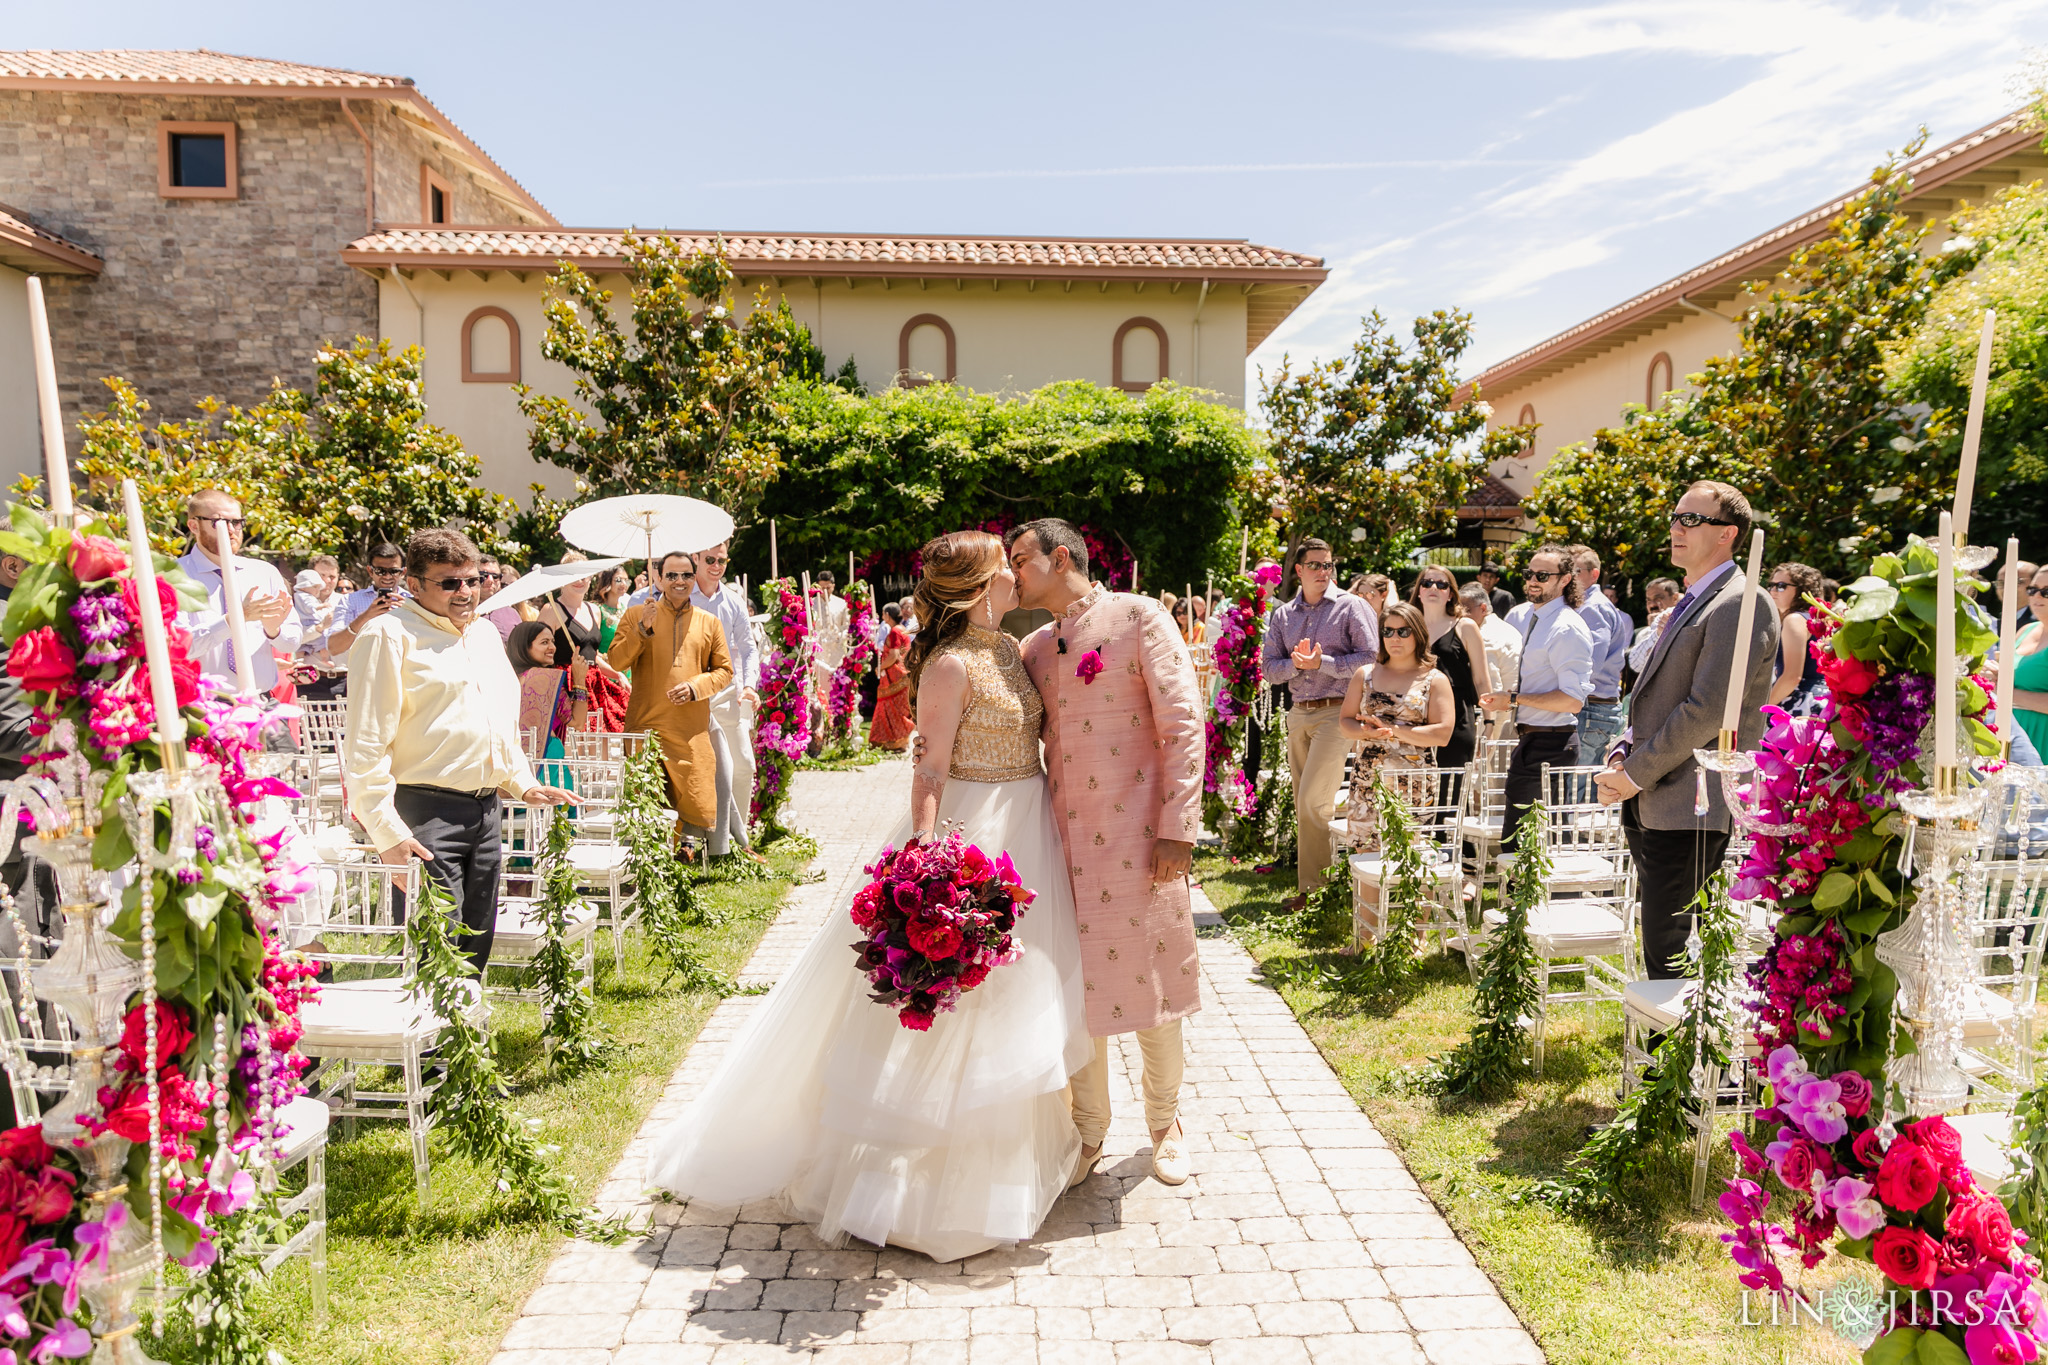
{"points": [[1503, 652], [1557, 656], [213, 644], [731, 610]]}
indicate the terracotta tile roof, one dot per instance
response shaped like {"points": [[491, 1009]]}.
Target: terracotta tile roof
{"points": [[1761, 256], [1491, 500], [201, 72], [25, 246], [863, 253], [183, 68]]}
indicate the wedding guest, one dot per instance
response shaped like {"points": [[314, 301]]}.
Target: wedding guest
{"points": [[1503, 643], [552, 700], [1798, 685], [678, 657], [1677, 708], [1600, 719], [1489, 578], [495, 577], [1372, 589], [1659, 596], [2024, 618], [10, 574], [1405, 709], [1556, 678], [611, 601], [1456, 647], [432, 737], [909, 606], [732, 710], [320, 674], [1314, 642], [364, 605], [270, 625], [893, 721], [2030, 668]]}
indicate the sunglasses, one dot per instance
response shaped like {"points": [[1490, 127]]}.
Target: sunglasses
{"points": [[1697, 519], [1319, 565], [2037, 592], [677, 577], [1399, 632], [713, 559], [1440, 587], [491, 576], [1545, 575], [236, 523], [378, 571], [455, 584], [1780, 586]]}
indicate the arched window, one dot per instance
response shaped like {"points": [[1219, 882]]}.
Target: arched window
{"points": [[1659, 382], [490, 347], [1138, 355], [926, 351], [1527, 419]]}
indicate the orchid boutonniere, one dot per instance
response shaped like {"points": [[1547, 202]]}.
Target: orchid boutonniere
{"points": [[1090, 665]]}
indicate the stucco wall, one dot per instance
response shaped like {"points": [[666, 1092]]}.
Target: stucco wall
{"points": [[1007, 340]]}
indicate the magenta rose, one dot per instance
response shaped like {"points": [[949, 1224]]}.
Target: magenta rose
{"points": [[95, 557], [1907, 1179], [1944, 1146], [1907, 1256], [1866, 1148], [1984, 1223], [1855, 1097]]}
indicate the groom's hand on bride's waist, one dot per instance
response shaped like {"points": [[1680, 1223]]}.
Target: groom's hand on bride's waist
{"points": [[1171, 859]]}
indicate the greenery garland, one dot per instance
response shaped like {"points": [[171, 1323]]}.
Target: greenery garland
{"points": [[1401, 885], [1656, 1113], [570, 1031], [665, 891], [2025, 1190], [1488, 1062], [471, 1101], [219, 1296]]}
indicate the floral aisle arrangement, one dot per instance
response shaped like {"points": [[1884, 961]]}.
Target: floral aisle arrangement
{"points": [[1227, 789], [935, 920], [570, 1030], [170, 1146], [782, 719], [842, 702], [1852, 1169]]}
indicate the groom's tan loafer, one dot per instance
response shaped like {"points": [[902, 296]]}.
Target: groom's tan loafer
{"points": [[1170, 1158], [1085, 1167]]}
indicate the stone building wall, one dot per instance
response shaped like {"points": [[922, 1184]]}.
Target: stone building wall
{"points": [[211, 296]]}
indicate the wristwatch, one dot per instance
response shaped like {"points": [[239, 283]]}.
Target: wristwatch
{"points": [[579, 694]]}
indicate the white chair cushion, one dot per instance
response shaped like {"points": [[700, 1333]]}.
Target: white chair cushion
{"points": [[1370, 869], [1571, 929], [1573, 869], [520, 931], [1986, 1014], [369, 1014], [1481, 827], [1659, 1004], [301, 1126], [1986, 1138], [597, 859]]}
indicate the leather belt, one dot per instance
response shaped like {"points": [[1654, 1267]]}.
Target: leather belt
{"points": [[483, 795], [1317, 703], [1603, 701], [1545, 730]]}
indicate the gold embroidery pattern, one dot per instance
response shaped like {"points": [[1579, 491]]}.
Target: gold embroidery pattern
{"points": [[998, 736]]}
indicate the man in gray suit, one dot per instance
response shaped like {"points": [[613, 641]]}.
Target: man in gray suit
{"points": [[1677, 707]]}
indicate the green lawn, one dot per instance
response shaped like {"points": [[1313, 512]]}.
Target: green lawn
{"points": [[442, 1283], [1657, 1286]]}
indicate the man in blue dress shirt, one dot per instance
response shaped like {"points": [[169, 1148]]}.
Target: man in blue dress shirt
{"points": [[1556, 678], [1600, 719]]}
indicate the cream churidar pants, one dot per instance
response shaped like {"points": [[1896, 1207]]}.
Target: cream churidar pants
{"points": [[1315, 759], [733, 743], [1160, 1050]]}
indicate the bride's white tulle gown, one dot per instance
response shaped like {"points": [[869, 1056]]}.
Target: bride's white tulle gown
{"points": [[947, 1142]]}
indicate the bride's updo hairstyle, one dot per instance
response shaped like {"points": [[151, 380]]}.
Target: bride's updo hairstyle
{"points": [[958, 567]]}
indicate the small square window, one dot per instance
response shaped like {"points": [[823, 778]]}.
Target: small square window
{"points": [[437, 206], [196, 161], [437, 197]]}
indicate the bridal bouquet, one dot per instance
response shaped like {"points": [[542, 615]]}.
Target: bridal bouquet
{"points": [[937, 919]]}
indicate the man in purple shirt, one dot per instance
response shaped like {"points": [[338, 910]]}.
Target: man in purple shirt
{"points": [[1314, 643]]}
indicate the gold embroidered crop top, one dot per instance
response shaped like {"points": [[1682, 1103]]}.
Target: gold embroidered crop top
{"points": [[998, 736]]}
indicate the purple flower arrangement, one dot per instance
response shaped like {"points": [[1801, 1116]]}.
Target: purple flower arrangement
{"points": [[782, 719], [1234, 652], [935, 920]]}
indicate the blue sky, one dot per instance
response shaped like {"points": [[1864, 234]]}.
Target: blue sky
{"points": [[1533, 163]]}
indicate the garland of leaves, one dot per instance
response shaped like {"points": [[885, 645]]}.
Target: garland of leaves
{"points": [[1489, 1061], [1656, 1113], [2025, 1190], [570, 1031], [782, 720], [1268, 830], [471, 1101], [219, 1297], [1401, 885], [664, 888]]}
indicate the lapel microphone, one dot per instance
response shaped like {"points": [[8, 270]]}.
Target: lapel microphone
{"points": [[1063, 644]]}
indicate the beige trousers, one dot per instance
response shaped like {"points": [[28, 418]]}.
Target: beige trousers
{"points": [[1315, 759], [1160, 1050]]}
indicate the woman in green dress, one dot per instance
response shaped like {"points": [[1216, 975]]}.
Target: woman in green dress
{"points": [[2030, 669], [611, 602]]}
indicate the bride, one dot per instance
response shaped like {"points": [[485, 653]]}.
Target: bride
{"points": [[951, 1141]]}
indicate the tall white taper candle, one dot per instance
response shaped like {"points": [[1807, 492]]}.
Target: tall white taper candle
{"points": [[2008, 637], [774, 563], [231, 603], [56, 468], [1945, 647], [1745, 620], [170, 722], [1973, 427], [1244, 548]]}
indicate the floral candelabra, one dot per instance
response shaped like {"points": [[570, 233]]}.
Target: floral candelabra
{"points": [[782, 718], [1240, 629], [842, 702]]}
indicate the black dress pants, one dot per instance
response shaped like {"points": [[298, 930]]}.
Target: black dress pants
{"points": [[461, 830], [1671, 867], [1556, 745]]}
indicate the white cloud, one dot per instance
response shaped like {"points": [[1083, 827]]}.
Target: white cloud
{"points": [[1816, 94]]}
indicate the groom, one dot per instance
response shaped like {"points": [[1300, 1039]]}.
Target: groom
{"points": [[1123, 743]]}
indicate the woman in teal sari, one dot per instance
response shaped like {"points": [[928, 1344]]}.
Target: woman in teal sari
{"points": [[552, 700]]}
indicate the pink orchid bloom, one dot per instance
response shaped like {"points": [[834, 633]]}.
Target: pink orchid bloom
{"points": [[13, 1320], [66, 1339]]}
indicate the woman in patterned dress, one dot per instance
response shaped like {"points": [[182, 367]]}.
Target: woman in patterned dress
{"points": [[1402, 708]]}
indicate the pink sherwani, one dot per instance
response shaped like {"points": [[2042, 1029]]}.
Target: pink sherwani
{"points": [[1124, 755]]}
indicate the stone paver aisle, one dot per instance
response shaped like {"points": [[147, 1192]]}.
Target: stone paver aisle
{"points": [[1300, 1240]]}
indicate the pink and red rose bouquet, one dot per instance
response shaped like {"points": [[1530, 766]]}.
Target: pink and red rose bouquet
{"points": [[1234, 651], [937, 919], [782, 719]]}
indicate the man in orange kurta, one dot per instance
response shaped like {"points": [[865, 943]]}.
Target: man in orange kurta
{"points": [[1123, 752], [677, 655]]}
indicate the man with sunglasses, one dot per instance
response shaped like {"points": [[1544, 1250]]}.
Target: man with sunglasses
{"points": [[504, 618], [1314, 642], [272, 625], [386, 572], [1677, 707], [432, 739], [732, 710], [1556, 676]]}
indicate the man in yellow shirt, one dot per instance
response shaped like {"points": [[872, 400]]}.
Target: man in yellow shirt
{"points": [[432, 738]]}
